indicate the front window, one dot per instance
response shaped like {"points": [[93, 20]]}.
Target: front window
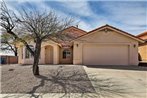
{"points": [[27, 53], [66, 54]]}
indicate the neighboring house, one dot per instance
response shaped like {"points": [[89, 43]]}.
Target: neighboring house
{"points": [[105, 45], [6, 59], [143, 46]]}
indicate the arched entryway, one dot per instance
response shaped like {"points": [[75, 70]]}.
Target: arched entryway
{"points": [[48, 54]]}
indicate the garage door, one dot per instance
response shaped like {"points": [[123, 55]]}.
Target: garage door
{"points": [[108, 54]]}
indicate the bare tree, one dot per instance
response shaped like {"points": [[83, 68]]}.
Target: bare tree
{"points": [[7, 44], [40, 25]]}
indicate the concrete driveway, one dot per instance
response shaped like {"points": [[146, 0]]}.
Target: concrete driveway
{"points": [[132, 78], [86, 81]]}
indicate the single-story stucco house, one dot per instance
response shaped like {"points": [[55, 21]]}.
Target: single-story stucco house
{"points": [[105, 45], [143, 46]]}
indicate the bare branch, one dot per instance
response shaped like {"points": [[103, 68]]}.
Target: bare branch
{"points": [[8, 23], [39, 25]]}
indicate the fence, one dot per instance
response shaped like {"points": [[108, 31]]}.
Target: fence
{"points": [[8, 59]]}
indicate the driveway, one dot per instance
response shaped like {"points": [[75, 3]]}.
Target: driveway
{"points": [[132, 78], [74, 81]]}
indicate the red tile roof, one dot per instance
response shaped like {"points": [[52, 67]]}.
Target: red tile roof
{"points": [[68, 35], [142, 34], [74, 32]]}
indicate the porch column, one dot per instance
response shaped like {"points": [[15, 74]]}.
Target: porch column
{"points": [[55, 54], [20, 52]]}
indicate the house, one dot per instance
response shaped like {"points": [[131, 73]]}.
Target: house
{"points": [[105, 45], [143, 46], [53, 51]]}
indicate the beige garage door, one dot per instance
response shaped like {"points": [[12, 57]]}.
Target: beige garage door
{"points": [[108, 54]]}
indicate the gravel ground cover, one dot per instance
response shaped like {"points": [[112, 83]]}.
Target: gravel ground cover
{"points": [[52, 79]]}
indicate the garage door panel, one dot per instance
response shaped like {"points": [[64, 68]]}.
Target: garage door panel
{"points": [[95, 54]]}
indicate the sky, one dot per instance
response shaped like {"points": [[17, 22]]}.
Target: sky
{"points": [[130, 16]]}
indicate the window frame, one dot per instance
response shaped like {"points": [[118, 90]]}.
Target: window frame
{"points": [[66, 54]]}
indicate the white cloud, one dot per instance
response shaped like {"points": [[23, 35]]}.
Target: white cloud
{"points": [[130, 15], [85, 26], [80, 8]]}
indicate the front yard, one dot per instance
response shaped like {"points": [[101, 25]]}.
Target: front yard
{"points": [[73, 81]]}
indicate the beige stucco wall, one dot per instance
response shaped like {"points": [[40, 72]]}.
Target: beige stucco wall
{"points": [[100, 37], [21, 50], [143, 52]]}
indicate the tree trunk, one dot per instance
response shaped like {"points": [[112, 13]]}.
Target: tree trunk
{"points": [[36, 58], [15, 53]]}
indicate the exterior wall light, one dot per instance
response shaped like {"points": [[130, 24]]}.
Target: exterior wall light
{"points": [[77, 45], [106, 30], [134, 45]]}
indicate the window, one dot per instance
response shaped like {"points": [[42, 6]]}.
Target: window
{"points": [[66, 54], [27, 53]]}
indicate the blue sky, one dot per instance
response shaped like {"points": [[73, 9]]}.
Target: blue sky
{"points": [[130, 16]]}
